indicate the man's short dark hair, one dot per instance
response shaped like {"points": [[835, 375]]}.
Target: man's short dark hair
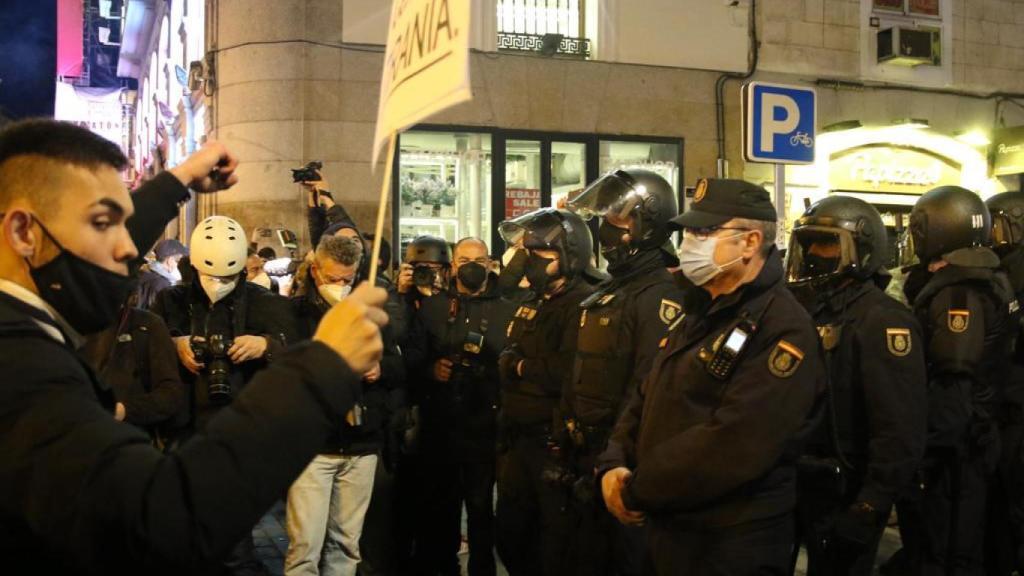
{"points": [[44, 145]]}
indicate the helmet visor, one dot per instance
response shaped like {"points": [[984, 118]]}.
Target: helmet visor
{"points": [[819, 253], [540, 229], [616, 192]]}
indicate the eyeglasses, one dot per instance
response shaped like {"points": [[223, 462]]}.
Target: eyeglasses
{"points": [[705, 233]]}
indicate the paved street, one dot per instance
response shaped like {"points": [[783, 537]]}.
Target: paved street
{"points": [[272, 544]]}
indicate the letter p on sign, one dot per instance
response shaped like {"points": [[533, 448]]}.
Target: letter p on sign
{"points": [[779, 123]]}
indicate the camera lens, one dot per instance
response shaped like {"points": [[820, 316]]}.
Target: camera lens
{"points": [[423, 276]]}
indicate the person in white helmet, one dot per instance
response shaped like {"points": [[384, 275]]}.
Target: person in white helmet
{"points": [[225, 330]]}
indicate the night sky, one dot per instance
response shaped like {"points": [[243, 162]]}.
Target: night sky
{"points": [[28, 57]]}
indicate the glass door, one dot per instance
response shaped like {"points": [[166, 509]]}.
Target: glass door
{"points": [[568, 170], [523, 178]]}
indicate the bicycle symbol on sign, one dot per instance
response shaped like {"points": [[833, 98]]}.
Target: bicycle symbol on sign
{"points": [[801, 138]]}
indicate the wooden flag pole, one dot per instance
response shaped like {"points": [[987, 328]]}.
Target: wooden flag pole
{"points": [[385, 189]]}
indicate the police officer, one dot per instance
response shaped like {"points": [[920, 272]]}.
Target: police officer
{"points": [[962, 302], [870, 442], [622, 323], [704, 452], [534, 366], [465, 330], [1006, 511]]}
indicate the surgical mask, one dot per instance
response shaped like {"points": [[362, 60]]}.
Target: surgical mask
{"points": [[87, 296], [472, 275], [217, 288], [262, 279], [334, 293], [537, 272], [697, 258]]}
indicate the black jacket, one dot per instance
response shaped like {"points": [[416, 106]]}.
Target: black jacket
{"points": [[710, 452], [249, 309], [137, 359], [150, 284], [542, 333], [964, 310], [460, 415], [377, 400], [623, 322], [878, 407], [83, 494]]}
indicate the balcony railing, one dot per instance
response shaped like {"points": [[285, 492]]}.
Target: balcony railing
{"points": [[548, 44]]}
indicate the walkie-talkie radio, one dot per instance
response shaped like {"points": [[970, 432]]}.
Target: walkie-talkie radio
{"points": [[724, 359]]}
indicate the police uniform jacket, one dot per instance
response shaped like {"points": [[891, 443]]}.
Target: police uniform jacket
{"points": [[878, 412], [621, 324], [543, 331], [964, 309], [709, 452]]}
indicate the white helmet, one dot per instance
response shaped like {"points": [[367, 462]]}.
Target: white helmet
{"points": [[218, 247]]}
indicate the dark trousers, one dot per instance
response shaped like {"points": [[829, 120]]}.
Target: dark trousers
{"points": [[453, 484], [943, 532], [828, 555], [243, 561], [762, 547], [600, 545], [1004, 541], [379, 544], [532, 520]]}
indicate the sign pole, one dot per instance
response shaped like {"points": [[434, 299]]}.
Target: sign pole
{"points": [[385, 189], [780, 194]]}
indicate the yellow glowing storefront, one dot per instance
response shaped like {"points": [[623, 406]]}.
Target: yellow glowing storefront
{"points": [[890, 167]]}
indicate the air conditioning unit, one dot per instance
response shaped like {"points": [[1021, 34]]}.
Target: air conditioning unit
{"points": [[909, 46]]}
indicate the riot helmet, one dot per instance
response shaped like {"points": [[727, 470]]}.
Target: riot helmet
{"points": [[430, 258], [635, 202], [837, 238], [948, 218], [1007, 210], [552, 229]]}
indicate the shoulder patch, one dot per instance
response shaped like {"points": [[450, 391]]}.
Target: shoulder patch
{"points": [[958, 320], [784, 359], [898, 341], [669, 311], [605, 299]]}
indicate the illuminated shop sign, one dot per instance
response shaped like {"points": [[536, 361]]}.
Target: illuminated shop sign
{"points": [[891, 169], [1008, 151]]}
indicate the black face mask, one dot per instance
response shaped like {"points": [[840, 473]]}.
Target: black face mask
{"points": [[514, 271], [819, 265], [612, 247], [537, 272], [472, 275], [87, 296]]}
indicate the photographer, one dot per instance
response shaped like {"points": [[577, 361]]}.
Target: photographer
{"points": [[225, 330], [465, 331], [84, 494], [329, 501]]}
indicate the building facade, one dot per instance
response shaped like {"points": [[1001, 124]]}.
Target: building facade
{"points": [[564, 90]]}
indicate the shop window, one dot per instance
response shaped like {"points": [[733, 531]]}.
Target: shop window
{"points": [[568, 170], [929, 8], [546, 26], [522, 177], [660, 158], [444, 185]]}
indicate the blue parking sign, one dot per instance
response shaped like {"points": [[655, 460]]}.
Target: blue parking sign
{"points": [[779, 123]]}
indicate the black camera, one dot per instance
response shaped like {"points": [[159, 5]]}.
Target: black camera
{"points": [[423, 276], [213, 353], [308, 173]]}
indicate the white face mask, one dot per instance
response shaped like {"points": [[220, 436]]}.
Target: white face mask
{"points": [[697, 258], [262, 279], [217, 288], [334, 293]]}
